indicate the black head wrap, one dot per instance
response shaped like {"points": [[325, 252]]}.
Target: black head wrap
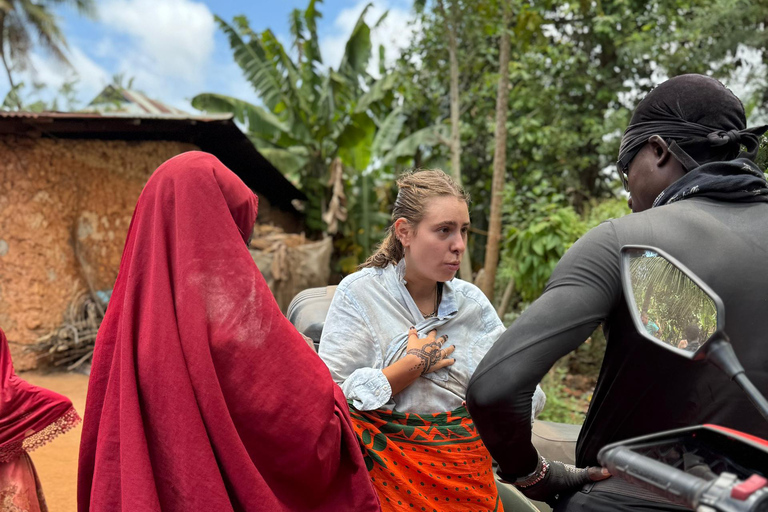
{"points": [[701, 120]]}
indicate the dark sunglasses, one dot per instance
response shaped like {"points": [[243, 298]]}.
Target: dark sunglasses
{"points": [[622, 165]]}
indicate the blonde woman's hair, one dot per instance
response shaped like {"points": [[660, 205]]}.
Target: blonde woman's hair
{"points": [[415, 189]]}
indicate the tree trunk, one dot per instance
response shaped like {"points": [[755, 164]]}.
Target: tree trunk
{"points": [[451, 20], [506, 299], [499, 160], [5, 61]]}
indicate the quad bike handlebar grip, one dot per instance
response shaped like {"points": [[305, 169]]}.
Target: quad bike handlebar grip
{"points": [[655, 476]]}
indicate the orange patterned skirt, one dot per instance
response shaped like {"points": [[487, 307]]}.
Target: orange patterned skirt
{"points": [[427, 462]]}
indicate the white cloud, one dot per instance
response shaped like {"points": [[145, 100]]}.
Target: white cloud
{"points": [[395, 33], [91, 78], [168, 38]]}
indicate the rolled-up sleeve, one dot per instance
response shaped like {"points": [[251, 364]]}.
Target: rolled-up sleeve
{"points": [[351, 353]]}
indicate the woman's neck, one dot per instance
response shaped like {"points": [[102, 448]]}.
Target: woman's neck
{"points": [[421, 289]]}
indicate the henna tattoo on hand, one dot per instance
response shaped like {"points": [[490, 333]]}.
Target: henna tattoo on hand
{"points": [[429, 354]]}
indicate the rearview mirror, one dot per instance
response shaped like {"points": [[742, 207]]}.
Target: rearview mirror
{"points": [[668, 303]]}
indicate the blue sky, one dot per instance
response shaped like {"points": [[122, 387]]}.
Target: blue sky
{"points": [[174, 50]]}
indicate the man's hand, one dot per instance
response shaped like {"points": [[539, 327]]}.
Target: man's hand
{"points": [[561, 479]]}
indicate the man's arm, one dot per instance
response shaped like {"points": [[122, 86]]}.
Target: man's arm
{"points": [[583, 289]]}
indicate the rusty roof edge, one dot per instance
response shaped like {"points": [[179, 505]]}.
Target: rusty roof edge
{"points": [[116, 115], [215, 121]]}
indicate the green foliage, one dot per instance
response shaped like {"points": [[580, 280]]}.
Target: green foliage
{"points": [[577, 68], [562, 405], [24, 24], [671, 299], [536, 248], [762, 154], [35, 100], [540, 226], [312, 116]]}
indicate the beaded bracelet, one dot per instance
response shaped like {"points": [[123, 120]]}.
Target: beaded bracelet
{"points": [[537, 476]]}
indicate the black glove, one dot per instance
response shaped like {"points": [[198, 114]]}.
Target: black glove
{"points": [[559, 479]]}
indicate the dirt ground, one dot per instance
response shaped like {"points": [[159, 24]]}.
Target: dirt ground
{"points": [[56, 462]]}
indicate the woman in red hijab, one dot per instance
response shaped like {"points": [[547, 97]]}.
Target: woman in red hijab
{"points": [[30, 417], [202, 395]]}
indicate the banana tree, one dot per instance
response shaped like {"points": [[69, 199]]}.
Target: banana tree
{"points": [[321, 126], [307, 116]]}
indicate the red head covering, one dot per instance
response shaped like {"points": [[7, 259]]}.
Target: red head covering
{"points": [[29, 416], [202, 395]]}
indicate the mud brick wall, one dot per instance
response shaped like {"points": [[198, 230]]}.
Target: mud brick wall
{"points": [[53, 193]]}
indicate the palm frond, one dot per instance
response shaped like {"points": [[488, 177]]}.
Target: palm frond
{"points": [[44, 24], [19, 41], [288, 161], [670, 298], [85, 8], [287, 68], [381, 19]]}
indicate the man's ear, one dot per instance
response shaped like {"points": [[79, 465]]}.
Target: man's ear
{"points": [[403, 231], [660, 150]]}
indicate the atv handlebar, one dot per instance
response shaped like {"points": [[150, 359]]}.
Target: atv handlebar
{"points": [[654, 476], [681, 487]]}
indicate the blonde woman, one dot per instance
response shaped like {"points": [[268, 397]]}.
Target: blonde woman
{"points": [[402, 339]]}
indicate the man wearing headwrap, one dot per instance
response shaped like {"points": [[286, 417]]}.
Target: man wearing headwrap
{"points": [[687, 161]]}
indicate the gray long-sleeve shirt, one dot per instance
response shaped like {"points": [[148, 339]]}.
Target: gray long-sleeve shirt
{"points": [[642, 388]]}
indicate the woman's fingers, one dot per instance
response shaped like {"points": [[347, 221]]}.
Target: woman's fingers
{"points": [[441, 364], [444, 360]]}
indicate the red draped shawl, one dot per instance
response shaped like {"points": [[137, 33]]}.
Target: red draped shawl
{"points": [[30, 416], [202, 395]]}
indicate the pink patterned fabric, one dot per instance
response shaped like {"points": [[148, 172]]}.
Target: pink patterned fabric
{"points": [[30, 416], [20, 489]]}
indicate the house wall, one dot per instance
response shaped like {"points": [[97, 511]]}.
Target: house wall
{"points": [[65, 208], [56, 195]]}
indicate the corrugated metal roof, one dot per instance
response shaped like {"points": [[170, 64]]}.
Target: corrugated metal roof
{"points": [[120, 99], [113, 115]]}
